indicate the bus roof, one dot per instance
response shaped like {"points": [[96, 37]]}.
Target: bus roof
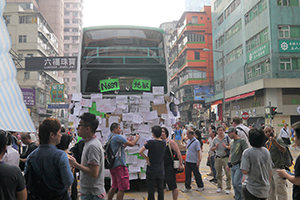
{"points": [[122, 26]]}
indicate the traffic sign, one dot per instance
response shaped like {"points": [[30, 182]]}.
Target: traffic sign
{"points": [[197, 106], [245, 115]]}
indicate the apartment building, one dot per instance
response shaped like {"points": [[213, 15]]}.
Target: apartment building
{"points": [[191, 68], [31, 36], [72, 34], [260, 40]]}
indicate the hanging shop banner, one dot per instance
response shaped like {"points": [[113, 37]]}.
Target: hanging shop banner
{"points": [[28, 96], [50, 63], [57, 92]]}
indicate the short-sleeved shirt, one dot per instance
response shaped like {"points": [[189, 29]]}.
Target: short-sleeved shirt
{"points": [[92, 154], [11, 156], [276, 154], [296, 188], [11, 181], [178, 134], [237, 148], [192, 150], [116, 142], [220, 151], [156, 149], [257, 161], [210, 152]]}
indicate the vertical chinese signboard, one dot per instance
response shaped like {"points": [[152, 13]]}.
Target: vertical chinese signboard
{"points": [[57, 92], [28, 96]]}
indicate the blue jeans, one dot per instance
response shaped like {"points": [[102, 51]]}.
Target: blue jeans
{"points": [[236, 177], [90, 197], [213, 167]]}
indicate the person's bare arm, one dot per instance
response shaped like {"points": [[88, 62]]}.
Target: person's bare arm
{"points": [[280, 147], [176, 149], [245, 172], [22, 195], [133, 142], [283, 174], [91, 170], [141, 152]]}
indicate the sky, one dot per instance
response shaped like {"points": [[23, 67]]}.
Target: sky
{"points": [[131, 12]]}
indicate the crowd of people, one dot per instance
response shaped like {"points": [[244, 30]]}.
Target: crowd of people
{"points": [[253, 161]]}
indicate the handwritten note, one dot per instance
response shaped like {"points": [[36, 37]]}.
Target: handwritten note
{"points": [[86, 102], [127, 117], [152, 115], [109, 85], [121, 99], [76, 97], [159, 100], [95, 97], [158, 90]]}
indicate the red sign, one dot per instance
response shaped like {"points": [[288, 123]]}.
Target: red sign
{"points": [[197, 106], [245, 115]]}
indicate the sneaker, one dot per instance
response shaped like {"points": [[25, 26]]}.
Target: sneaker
{"points": [[193, 179], [219, 190], [199, 189], [210, 174], [227, 191], [186, 190]]}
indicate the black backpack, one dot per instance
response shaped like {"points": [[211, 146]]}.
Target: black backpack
{"points": [[109, 155]]}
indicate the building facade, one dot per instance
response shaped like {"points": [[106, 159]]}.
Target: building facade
{"points": [[196, 5], [72, 34], [31, 36], [191, 68], [260, 41]]}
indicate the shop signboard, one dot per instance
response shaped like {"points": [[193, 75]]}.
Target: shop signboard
{"points": [[289, 45], [203, 92], [57, 92], [50, 63], [28, 96], [258, 52]]}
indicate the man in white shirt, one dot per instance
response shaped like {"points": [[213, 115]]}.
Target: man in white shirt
{"points": [[243, 131], [284, 134]]}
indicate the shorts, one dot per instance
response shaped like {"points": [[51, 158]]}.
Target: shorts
{"points": [[120, 178], [170, 177]]}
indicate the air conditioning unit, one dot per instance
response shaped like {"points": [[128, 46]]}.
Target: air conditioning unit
{"points": [[218, 87]]}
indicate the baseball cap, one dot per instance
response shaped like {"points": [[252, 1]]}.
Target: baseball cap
{"points": [[231, 129]]}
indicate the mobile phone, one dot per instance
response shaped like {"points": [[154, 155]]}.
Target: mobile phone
{"points": [[272, 134]]}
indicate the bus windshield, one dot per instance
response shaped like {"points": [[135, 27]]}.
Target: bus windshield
{"points": [[132, 56]]}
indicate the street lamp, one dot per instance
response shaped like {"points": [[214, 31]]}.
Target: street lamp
{"points": [[223, 66]]}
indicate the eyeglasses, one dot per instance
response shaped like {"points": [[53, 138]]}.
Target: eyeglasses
{"points": [[81, 125]]}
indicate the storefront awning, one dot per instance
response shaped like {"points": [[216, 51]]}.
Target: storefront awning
{"points": [[14, 115], [242, 96]]}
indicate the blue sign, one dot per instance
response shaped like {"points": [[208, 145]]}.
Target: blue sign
{"points": [[58, 106], [203, 92]]}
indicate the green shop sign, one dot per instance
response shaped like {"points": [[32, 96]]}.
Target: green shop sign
{"points": [[258, 52], [289, 45], [188, 98], [109, 85], [144, 85], [57, 92]]}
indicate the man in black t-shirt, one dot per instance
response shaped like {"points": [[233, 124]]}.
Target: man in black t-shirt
{"points": [[12, 184], [155, 163], [295, 179]]}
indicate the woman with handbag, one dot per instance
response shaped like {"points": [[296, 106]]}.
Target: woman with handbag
{"points": [[170, 178]]}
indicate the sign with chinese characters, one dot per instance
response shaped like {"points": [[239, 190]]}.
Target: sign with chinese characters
{"points": [[144, 85], [289, 45], [57, 92], [197, 106], [109, 85], [58, 106], [50, 63], [28, 96], [258, 52]]}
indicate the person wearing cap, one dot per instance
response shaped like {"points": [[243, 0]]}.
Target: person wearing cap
{"points": [[237, 148]]}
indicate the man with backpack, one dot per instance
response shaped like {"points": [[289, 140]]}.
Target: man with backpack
{"points": [[119, 172], [243, 131], [92, 160], [276, 147]]}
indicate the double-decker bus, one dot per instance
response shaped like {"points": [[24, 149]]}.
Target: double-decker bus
{"points": [[122, 60]]}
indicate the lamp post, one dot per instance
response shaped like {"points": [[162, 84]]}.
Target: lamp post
{"points": [[223, 66]]}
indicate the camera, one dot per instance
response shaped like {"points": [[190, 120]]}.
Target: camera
{"points": [[229, 164]]}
